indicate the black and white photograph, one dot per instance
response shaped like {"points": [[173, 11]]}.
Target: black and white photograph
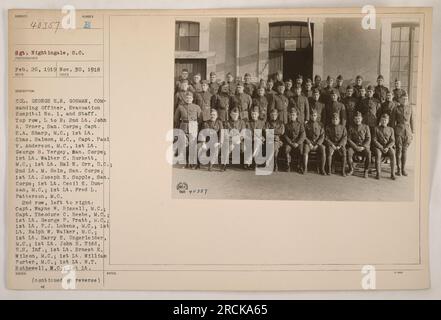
{"points": [[297, 108]]}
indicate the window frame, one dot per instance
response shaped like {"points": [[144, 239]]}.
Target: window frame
{"points": [[189, 37]]}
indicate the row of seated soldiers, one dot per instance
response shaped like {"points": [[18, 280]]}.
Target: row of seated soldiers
{"points": [[324, 130]]}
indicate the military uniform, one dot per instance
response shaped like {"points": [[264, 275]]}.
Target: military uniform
{"points": [[336, 135], [402, 120], [384, 137], [269, 94], [204, 100], [214, 87], [398, 93], [380, 93], [315, 135], [359, 136], [217, 126], [242, 101], [294, 133], [319, 107], [259, 125], [350, 104], [231, 87], [263, 104], [386, 107], [301, 104], [357, 89], [180, 98], [307, 93], [280, 102], [335, 107], [195, 87], [325, 94], [288, 93], [279, 130], [341, 92], [221, 102], [187, 118], [249, 88], [369, 108]]}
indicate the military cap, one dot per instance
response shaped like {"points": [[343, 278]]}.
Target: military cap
{"points": [[314, 111], [315, 90], [293, 110], [308, 80], [357, 114], [299, 76], [380, 77], [270, 80], [289, 80], [334, 91], [239, 84], [350, 86], [204, 82], [385, 115], [370, 87], [280, 84], [184, 70], [279, 72], [234, 110], [317, 77], [212, 73], [339, 77], [247, 75], [359, 77], [228, 74], [197, 74], [261, 87], [274, 111], [329, 78], [188, 94]]}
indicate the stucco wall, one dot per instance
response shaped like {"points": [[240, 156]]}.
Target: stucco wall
{"points": [[349, 50]]}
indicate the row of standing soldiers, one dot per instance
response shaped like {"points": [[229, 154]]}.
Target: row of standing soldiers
{"points": [[327, 102]]}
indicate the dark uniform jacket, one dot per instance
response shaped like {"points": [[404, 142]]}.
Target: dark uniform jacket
{"points": [[336, 135], [325, 94], [280, 102], [243, 102], [221, 102], [186, 113], [263, 104], [215, 125], [179, 98], [387, 107], [402, 120], [289, 94], [335, 107], [307, 93], [278, 127], [253, 125], [302, 106], [380, 93], [294, 132], [314, 133], [231, 87], [384, 137], [195, 87], [341, 92], [249, 89], [214, 87], [369, 108], [357, 91], [204, 100], [319, 107], [359, 136], [350, 104], [398, 93]]}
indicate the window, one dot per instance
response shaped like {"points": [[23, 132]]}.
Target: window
{"points": [[404, 58], [187, 36], [279, 32]]}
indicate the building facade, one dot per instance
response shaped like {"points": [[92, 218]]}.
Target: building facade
{"points": [[323, 46]]}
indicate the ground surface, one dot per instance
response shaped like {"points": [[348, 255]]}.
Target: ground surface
{"points": [[237, 183]]}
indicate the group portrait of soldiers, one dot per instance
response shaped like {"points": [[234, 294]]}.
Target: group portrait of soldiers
{"points": [[353, 123]]}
